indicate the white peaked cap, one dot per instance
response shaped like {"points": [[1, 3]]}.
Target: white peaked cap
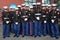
{"points": [[31, 6], [5, 7], [18, 5], [49, 5], [38, 3], [23, 4], [43, 4], [33, 3], [54, 4], [16, 8], [26, 5]]}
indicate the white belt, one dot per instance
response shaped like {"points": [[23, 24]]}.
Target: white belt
{"points": [[45, 21], [16, 22], [38, 14], [6, 18], [38, 18], [44, 16], [24, 16]]}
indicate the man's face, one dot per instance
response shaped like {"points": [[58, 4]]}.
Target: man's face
{"points": [[17, 11], [46, 7], [31, 9], [5, 10], [54, 8], [43, 8], [27, 8]]}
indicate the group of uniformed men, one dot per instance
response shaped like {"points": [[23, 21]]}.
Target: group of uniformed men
{"points": [[36, 20]]}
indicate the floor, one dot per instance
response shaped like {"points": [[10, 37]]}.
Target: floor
{"points": [[25, 38]]}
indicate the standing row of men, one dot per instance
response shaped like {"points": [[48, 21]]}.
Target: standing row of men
{"points": [[35, 20]]}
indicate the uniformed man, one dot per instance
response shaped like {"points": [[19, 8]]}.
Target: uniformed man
{"points": [[12, 12], [48, 12], [25, 28], [54, 22], [16, 20], [44, 19], [6, 22], [37, 20], [30, 20], [19, 6]]}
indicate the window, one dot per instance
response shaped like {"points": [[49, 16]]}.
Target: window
{"points": [[46, 1], [12, 5], [29, 1]]}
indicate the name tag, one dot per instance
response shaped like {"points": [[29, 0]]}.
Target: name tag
{"points": [[16, 23], [25, 19], [38, 14], [52, 21], [45, 21], [7, 22], [38, 18], [44, 16]]}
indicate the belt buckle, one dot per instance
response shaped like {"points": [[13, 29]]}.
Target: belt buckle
{"points": [[16, 22], [45, 21]]}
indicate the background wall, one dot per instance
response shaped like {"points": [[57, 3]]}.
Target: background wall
{"points": [[7, 2]]}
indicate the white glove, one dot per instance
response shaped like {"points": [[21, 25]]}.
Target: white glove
{"points": [[7, 22], [52, 21], [54, 16], [25, 19], [45, 21], [37, 18], [16, 23]]}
